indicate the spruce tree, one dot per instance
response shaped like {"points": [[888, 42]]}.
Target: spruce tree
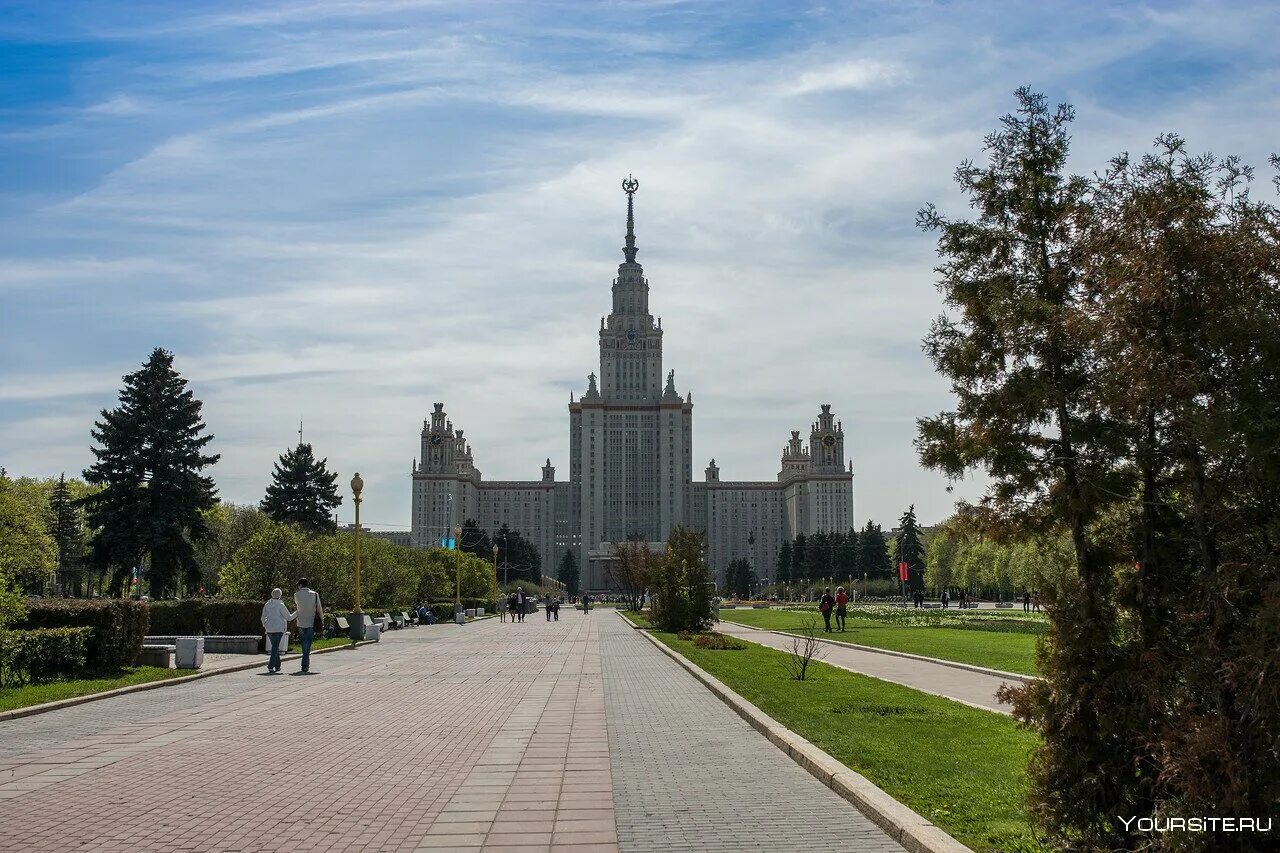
{"points": [[67, 530], [784, 563], [911, 549], [150, 454], [873, 553], [303, 491], [567, 574]]}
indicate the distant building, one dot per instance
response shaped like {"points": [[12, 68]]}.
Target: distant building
{"points": [[631, 465], [395, 537]]}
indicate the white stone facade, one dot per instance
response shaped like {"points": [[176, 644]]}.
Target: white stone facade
{"points": [[631, 465]]}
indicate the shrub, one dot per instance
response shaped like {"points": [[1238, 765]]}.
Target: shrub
{"points": [[177, 618], [42, 654], [718, 642], [118, 627], [233, 617]]}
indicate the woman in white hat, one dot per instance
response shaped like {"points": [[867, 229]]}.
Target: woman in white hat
{"points": [[275, 620]]}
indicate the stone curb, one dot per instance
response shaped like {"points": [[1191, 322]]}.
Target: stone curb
{"points": [[998, 673], [45, 707], [900, 823], [627, 619]]}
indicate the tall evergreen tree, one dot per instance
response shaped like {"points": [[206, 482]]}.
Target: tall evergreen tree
{"points": [[739, 578], [518, 558], [568, 573], [475, 540], [911, 549], [67, 530], [873, 553], [303, 491], [800, 559], [784, 563], [150, 455]]}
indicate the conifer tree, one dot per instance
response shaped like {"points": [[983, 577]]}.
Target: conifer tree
{"points": [[911, 549], [303, 491], [784, 563], [568, 573], [150, 454], [873, 553], [67, 530]]}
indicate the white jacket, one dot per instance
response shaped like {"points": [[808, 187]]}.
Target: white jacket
{"points": [[307, 601], [275, 616]]}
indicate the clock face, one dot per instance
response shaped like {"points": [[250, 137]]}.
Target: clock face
{"points": [[435, 440], [631, 337], [828, 440]]}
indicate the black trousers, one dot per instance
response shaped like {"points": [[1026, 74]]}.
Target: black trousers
{"points": [[826, 617]]}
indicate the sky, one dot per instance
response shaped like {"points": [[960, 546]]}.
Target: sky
{"points": [[340, 211]]}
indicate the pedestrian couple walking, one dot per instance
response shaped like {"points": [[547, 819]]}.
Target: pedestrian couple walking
{"points": [[276, 618], [839, 604]]}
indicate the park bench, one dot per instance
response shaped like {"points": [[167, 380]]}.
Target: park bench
{"points": [[371, 630], [217, 644], [408, 620], [341, 627], [397, 621], [156, 654]]}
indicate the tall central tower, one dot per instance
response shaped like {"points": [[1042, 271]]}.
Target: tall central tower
{"points": [[631, 434], [630, 340]]}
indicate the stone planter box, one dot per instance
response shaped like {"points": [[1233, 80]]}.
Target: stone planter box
{"points": [[216, 644], [373, 631], [156, 654], [189, 652]]}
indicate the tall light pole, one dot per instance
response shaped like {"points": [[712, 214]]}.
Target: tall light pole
{"points": [[495, 562], [457, 564], [357, 486]]}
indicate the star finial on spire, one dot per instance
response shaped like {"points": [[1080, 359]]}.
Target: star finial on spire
{"points": [[629, 186]]}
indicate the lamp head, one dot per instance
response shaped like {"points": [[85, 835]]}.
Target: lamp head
{"points": [[357, 484]]}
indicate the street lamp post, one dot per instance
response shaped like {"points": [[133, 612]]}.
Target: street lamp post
{"points": [[357, 617], [457, 577]]}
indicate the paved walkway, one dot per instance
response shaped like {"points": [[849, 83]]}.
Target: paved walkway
{"points": [[690, 774], [564, 736], [972, 688]]}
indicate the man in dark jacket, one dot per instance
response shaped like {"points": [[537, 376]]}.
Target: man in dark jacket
{"points": [[825, 604]]}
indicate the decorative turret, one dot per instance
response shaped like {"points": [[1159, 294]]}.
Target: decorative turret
{"points": [[669, 395], [713, 472], [548, 472]]}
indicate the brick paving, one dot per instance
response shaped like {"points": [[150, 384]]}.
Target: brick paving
{"points": [[568, 736], [380, 750], [690, 774], [962, 685]]}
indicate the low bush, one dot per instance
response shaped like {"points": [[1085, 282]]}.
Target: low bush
{"points": [[177, 618], [718, 642], [233, 617], [118, 627], [42, 654]]}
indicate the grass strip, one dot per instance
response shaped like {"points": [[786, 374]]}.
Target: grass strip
{"points": [[12, 698], [1010, 652], [961, 768]]}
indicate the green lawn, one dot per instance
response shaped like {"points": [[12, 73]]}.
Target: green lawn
{"points": [[37, 694], [1011, 652], [962, 768]]}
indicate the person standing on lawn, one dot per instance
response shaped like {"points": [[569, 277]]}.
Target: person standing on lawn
{"points": [[825, 604], [309, 615], [275, 622], [842, 607]]}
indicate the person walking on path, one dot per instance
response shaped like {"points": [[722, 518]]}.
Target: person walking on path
{"points": [[586, 603], [310, 613], [944, 598], [825, 604], [548, 605], [275, 622], [520, 600], [502, 608], [1026, 601], [842, 607]]}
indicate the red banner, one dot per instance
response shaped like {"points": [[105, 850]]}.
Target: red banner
{"points": [[902, 572]]}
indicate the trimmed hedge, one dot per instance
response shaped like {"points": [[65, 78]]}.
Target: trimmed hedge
{"points": [[118, 627], [183, 618], [42, 654], [233, 616]]}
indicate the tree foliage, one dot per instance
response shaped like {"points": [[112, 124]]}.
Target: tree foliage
{"points": [[1114, 350], [681, 583], [738, 578], [150, 454], [910, 548], [568, 573], [303, 491]]}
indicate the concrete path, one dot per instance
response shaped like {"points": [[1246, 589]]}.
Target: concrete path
{"points": [[971, 688], [690, 774], [494, 736]]}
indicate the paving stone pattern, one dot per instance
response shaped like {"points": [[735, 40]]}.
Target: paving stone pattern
{"points": [[372, 753], [689, 774]]}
